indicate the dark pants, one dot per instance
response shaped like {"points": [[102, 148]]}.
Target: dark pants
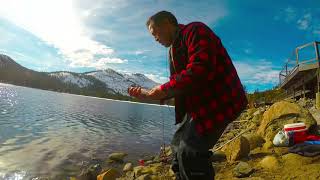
{"points": [[191, 152]]}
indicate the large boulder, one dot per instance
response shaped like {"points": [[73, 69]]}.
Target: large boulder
{"points": [[295, 160], [254, 140], [237, 149], [310, 171], [300, 167], [218, 156], [269, 163], [117, 156], [256, 120], [281, 113], [243, 169]]}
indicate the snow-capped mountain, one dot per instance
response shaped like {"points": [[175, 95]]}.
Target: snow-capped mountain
{"points": [[102, 83], [140, 79], [114, 81], [68, 77], [120, 82], [13, 73]]}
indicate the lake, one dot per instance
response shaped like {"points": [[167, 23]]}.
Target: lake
{"points": [[45, 133]]}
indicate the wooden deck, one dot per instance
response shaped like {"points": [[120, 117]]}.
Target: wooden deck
{"points": [[298, 72]]}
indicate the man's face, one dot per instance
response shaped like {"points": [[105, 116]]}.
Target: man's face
{"points": [[161, 33]]}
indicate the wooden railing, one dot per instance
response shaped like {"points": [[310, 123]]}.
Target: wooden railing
{"points": [[293, 65]]}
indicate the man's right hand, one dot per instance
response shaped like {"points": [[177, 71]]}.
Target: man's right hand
{"points": [[137, 92]]}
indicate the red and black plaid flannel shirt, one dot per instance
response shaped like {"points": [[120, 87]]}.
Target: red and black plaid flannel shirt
{"points": [[203, 80]]}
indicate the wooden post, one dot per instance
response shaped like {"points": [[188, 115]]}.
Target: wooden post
{"points": [[318, 94], [317, 50], [297, 56], [318, 81], [303, 91]]}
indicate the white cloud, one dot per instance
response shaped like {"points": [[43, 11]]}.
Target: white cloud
{"points": [[113, 60], [257, 72], [96, 34], [56, 23], [121, 23], [290, 14], [304, 22], [304, 19], [101, 63], [140, 52], [157, 78]]}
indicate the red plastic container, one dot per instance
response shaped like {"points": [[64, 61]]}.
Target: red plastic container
{"points": [[299, 129]]}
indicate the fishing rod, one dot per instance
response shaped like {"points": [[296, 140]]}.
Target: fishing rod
{"points": [[163, 156]]}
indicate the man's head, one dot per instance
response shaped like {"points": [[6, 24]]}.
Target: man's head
{"points": [[163, 26]]}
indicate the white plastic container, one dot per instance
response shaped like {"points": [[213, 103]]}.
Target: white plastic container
{"points": [[296, 127]]}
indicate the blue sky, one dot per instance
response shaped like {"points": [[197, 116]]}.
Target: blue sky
{"points": [[84, 35]]}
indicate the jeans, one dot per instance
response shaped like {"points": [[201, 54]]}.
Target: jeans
{"points": [[191, 152]]}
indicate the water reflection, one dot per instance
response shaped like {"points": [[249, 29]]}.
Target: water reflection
{"points": [[46, 133]]}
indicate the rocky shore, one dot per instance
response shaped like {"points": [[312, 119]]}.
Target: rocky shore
{"points": [[244, 151]]}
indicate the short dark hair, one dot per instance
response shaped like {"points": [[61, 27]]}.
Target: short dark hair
{"points": [[160, 16]]}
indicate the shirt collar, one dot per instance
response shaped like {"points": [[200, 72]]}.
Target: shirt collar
{"points": [[178, 35]]}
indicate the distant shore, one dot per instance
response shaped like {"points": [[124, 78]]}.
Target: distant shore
{"points": [[91, 96]]}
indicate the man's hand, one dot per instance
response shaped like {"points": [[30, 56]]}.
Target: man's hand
{"points": [[155, 93], [137, 92]]}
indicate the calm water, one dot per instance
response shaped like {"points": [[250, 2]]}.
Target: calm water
{"points": [[44, 133]]}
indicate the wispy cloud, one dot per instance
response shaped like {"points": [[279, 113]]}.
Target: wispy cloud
{"points": [[87, 34], [121, 23], [304, 19], [157, 78], [304, 22], [290, 14], [98, 63], [259, 71], [139, 52], [113, 60]]}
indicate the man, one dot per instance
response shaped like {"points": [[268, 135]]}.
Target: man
{"points": [[207, 90]]}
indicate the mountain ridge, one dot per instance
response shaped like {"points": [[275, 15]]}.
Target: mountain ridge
{"points": [[106, 83]]}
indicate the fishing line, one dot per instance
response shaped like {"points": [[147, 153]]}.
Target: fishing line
{"points": [[163, 155]]}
